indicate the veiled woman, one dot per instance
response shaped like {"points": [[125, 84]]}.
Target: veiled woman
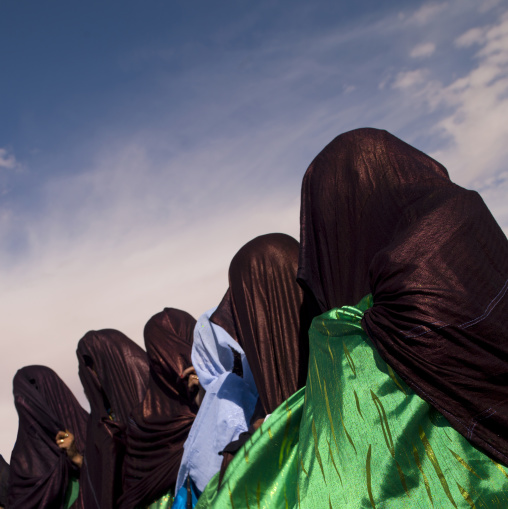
{"points": [[114, 373], [226, 409], [266, 311], [407, 395], [159, 425], [41, 473]]}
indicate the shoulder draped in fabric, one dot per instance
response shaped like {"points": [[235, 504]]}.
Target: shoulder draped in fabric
{"points": [[159, 425], [114, 373], [40, 471], [380, 217]]}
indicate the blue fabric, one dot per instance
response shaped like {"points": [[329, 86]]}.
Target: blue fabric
{"points": [[227, 406], [181, 497]]}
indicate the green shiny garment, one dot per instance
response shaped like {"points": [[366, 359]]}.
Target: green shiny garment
{"points": [[164, 502], [72, 493], [356, 437]]}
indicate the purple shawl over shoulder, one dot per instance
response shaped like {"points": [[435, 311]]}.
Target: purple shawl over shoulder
{"points": [[380, 217], [40, 470], [114, 373], [159, 425]]}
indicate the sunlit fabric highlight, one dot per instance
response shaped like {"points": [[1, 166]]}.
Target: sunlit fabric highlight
{"points": [[357, 437]]}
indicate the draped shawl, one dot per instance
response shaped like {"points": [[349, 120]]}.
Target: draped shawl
{"points": [[40, 470], [380, 217], [114, 373], [227, 406], [264, 308], [160, 424]]}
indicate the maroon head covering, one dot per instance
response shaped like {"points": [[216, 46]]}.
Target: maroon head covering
{"points": [[114, 373], [40, 470], [381, 217], [265, 312], [159, 425]]}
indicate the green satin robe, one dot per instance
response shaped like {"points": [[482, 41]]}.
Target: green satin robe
{"points": [[356, 437]]}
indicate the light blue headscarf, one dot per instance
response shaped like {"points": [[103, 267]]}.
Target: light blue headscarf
{"points": [[227, 405]]}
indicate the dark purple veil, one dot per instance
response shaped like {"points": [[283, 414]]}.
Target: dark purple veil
{"points": [[4, 481], [114, 373], [40, 470], [380, 217], [159, 425], [264, 310]]}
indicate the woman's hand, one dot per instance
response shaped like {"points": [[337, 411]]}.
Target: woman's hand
{"points": [[65, 440], [193, 384]]}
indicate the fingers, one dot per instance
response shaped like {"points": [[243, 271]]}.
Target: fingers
{"points": [[186, 372], [64, 439]]}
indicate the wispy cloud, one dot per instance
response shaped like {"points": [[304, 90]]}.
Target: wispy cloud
{"points": [[157, 214], [7, 159], [423, 50]]}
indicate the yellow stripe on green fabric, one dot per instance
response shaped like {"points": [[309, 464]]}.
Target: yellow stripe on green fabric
{"points": [[317, 373], [247, 497], [369, 477], [330, 502], [394, 378], [333, 462], [330, 418], [402, 478], [349, 359], [420, 468], [464, 464], [258, 494], [231, 497], [384, 423], [345, 431], [316, 448], [358, 404], [466, 496], [303, 468], [432, 457], [285, 444], [499, 467]]}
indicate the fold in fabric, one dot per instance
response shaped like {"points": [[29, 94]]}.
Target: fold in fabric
{"points": [[41, 472], [159, 426], [380, 217], [114, 373], [265, 309], [227, 406], [356, 436]]}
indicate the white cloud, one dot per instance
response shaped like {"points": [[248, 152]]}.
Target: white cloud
{"points": [[477, 126], [427, 13], [408, 79], [423, 50], [7, 160], [473, 36]]}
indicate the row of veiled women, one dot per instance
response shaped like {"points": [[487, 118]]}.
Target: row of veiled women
{"points": [[365, 367]]}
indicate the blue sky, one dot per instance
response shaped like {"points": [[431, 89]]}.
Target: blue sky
{"points": [[142, 143]]}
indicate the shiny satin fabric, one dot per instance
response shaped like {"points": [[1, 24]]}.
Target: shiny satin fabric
{"points": [[356, 437], [380, 216], [159, 425], [265, 309], [114, 373], [40, 471]]}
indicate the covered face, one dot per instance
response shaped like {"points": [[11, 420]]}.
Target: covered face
{"points": [[114, 373], [159, 425], [40, 471], [265, 311], [380, 217]]}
